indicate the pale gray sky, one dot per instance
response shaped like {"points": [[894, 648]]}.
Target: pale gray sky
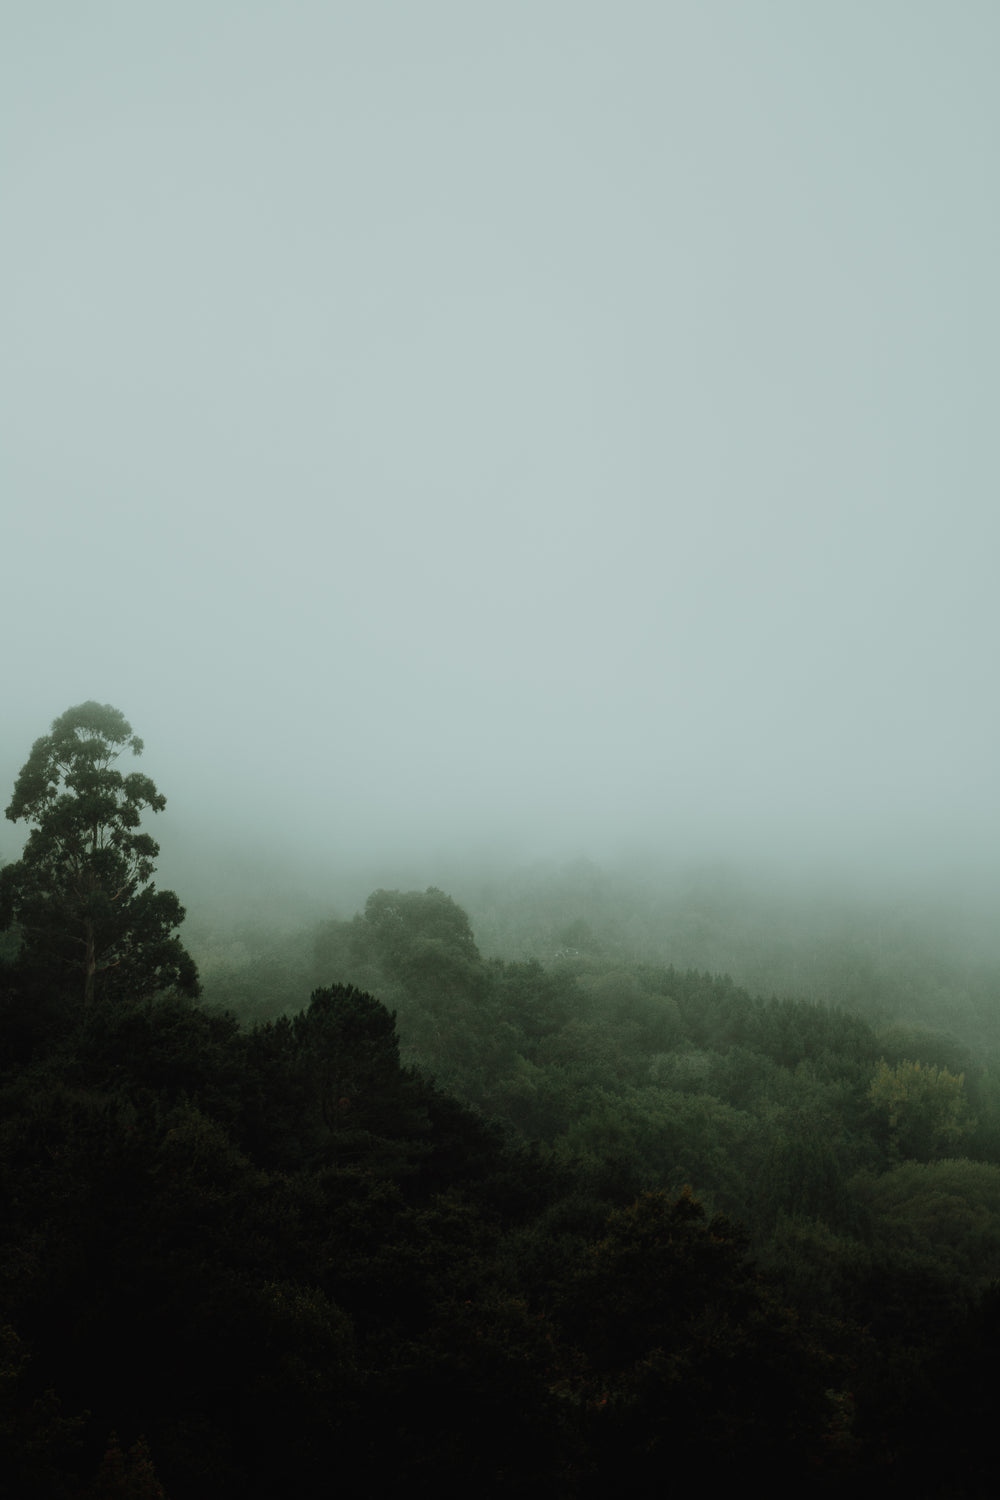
{"points": [[433, 421]]}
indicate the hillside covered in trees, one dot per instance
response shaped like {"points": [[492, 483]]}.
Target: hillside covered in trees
{"points": [[515, 1207]]}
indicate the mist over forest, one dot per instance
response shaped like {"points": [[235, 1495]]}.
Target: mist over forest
{"points": [[528, 475], [543, 434]]}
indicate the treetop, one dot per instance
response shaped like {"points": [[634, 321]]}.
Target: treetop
{"points": [[83, 744]]}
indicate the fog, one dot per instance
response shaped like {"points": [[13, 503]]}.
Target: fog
{"points": [[459, 432]]}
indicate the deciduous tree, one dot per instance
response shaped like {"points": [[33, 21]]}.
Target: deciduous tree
{"points": [[90, 919], [924, 1109]]}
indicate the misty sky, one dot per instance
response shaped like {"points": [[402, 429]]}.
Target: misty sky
{"points": [[570, 424]]}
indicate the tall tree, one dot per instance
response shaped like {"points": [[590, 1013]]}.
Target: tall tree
{"points": [[82, 896]]}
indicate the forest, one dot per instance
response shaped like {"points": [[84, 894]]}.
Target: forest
{"points": [[552, 1189]]}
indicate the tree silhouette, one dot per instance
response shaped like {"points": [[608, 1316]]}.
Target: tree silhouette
{"points": [[90, 920]]}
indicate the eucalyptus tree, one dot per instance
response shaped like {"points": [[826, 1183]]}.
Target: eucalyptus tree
{"points": [[91, 921]]}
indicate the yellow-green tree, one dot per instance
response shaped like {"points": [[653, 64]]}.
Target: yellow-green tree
{"points": [[924, 1109]]}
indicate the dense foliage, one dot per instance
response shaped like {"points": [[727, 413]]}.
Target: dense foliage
{"points": [[472, 1225]]}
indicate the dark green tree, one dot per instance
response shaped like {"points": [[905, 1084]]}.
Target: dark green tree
{"points": [[409, 930], [90, 919], [348, 1039]]}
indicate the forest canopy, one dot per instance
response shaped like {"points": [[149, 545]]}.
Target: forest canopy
{"points": [[484, 1222]]}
